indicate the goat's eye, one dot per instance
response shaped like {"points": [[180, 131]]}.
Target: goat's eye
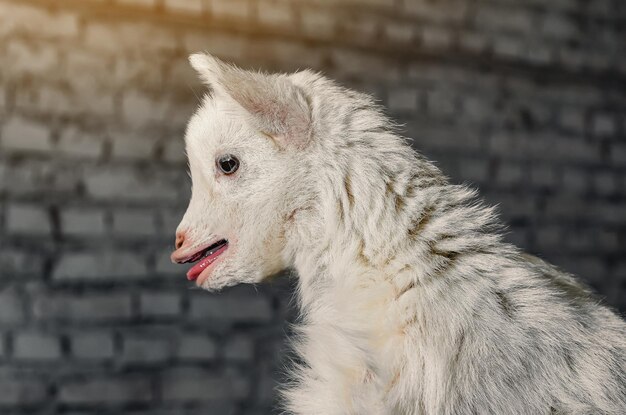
{"points": [[228, 164]]}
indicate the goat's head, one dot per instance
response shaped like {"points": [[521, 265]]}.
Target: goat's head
{"points": [[246, 146]]}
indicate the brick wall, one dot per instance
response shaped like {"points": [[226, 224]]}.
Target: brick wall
{"points": [[524, 99]]}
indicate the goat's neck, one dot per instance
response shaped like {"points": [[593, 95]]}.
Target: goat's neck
{"points": [[375, 224]]}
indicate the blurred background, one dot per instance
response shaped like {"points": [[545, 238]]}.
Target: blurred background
{"points": [[525, 100]]}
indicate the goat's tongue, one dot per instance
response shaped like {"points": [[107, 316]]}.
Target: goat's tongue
{"points": [[207, 259]]}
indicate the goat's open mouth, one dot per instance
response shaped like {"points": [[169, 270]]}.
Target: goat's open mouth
{"points": [[204, 258]]}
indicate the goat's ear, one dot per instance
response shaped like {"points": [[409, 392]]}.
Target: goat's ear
{"points": [[278, 107]]}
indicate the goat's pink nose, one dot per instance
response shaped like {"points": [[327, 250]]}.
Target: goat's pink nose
{"points": [[180, 239]]}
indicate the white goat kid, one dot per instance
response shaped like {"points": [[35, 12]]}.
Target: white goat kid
{"points": [[411, 303]]}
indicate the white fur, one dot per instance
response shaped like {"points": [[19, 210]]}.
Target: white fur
{"points": [[410, 301]]}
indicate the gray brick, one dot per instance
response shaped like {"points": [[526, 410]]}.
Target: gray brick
{"points": [[23, 392], [134, 223], [572, 119], [403, 100], [275, 13], [22, 134], [27, 19], [170, 220], [174, 151], [476, 109], [382, 3], [317, 22], [543, 176], [540, 53], [474, 42], [84, 308], [510, 174], [603, 125], [474, 170], [141, 109], [185, 6], [194, 385], [575, 180], [223, 45], [438, 12], [231, 309], [119, 390], [28, 219], [145, 350], [519, 205], [611, 213], [232, 9], [14, 262], [539, 113], [4, 175], [510, 47], [76, 143], [82, 222], [125, 184], [575, 150], [436, 37], [24, 57], [598, 61], [571, 58], [618, 154], [620, 269], [36, 346], [11, 306], [92, 345], [128, 70], [607, 240], [160, 304], [180, 72], [94, 101], [588, 269], [401, 33], [441, 103], [48, 99], [128, 35], [519, 238], [549, 238], [144, 3], [558, 26], [99, 266], [132, 147], [363, 28], [504, 19], [239, 348], [578, 241], [566, 207], [446, 139], [196, 347], [166, 266], [283, 51], [605, 183], [351, 63]]}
